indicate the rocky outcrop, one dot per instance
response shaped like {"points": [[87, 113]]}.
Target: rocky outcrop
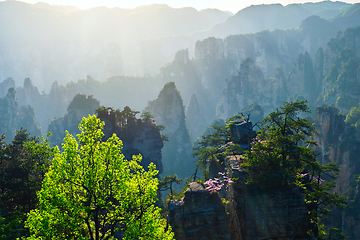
{"points": [[182, 72], [319, 68], [330, 127], [249, 86], [147, 142], [337, 143], [81, 106], [301, 79], [340, 64], [5, 85], [168, 111], [251, 214], [194, 118], [341, 84], [139, 137], [13, 117], [268, 49], [30, 95], [200, 215]]}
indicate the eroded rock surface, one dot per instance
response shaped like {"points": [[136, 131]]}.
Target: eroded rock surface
{"points": [[200, 215]]}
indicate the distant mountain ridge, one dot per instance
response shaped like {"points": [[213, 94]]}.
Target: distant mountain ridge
{"points": [[274, 16], [348, 17], [48, 42], [62, 43]]}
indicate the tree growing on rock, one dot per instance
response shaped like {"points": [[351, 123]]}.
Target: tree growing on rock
{"points": [[282, 154], [92, 192]]}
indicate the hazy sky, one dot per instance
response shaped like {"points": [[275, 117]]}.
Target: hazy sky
{"points": [[229, 5]]}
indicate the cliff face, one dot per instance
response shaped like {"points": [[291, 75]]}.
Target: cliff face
{"points": [[269, 49], [13, 117], [181, 71], [337, 143], [30, 95], [190, 78], [249, 214], [199, 215], [248, 87], [138, 137], [168, 111], [5, 85], [194, 118], [81, 106], [301, 80], [341, 63]]}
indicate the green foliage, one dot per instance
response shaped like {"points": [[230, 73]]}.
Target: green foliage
{"points": [[147, 117], [11, 225], [91, 191], [317, 186], [83, 102], [210, 129], [166, 183], [353, 119], [126, 122], [207, 149], [21, 172], [281, 155], [275, 157]]}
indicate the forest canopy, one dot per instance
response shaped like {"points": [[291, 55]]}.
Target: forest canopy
{"points": [[91, 192]]}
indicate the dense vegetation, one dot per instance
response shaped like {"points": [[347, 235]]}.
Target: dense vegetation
{"points": [[226, 76], [91, 192], [280, 154], [88, 191], [23, 164]]}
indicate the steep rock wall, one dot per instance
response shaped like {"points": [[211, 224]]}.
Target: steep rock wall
{"points": [[139, 138], [194, 118], [169, 111], [337, 143], [249, 86], [251, 214], [200, 215], [13, 117], [81, 106]]}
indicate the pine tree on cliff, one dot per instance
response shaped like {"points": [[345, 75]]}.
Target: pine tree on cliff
{"points": [[281, 155]]}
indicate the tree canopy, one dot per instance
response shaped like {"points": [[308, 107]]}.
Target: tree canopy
{"points": [[281, 154], [92, 192]]}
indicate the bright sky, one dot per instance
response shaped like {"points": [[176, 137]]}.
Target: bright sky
{"points": [[228, 5]]}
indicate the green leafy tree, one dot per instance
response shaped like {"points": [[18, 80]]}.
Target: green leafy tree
{"points": [[91, 192], [281, 154], [21, 174]]}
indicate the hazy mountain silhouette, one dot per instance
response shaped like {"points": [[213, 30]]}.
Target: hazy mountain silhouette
{"points": [[62, 43], [274, 16], [348, 17]]}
